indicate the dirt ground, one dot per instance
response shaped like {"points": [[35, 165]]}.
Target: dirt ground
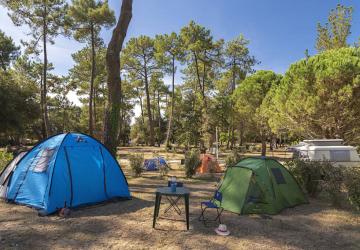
{"points": [[128, 224]]}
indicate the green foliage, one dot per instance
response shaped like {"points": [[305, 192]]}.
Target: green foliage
{"points": [[333, 35], [319, 97], [8, 51], [86, 17], [5, 158], [325, 178], [136, 164], [308, 175], [332, 183], [233, 158], [249, 98], [352, 185], [239, 61], [192, 161], [18, 101], [35, 14]]}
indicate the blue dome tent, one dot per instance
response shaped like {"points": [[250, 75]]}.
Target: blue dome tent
{"points": [[65, 170], [154, 164]]}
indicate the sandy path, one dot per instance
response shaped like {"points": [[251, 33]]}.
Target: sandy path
{"points": [[128, 225]]}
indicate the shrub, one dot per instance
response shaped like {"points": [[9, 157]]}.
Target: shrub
{"points": [[192, 161], [163, 169], [324, 177], [352, 185], [136, 164], [232, 159], [308, 174], [332, 182], [5, 158]]}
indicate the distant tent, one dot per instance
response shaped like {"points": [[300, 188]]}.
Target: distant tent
{"points": [[208, 164], [66, 170], [259, 185], [154, 164]]}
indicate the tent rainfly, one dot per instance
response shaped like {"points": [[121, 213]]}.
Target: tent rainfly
{"points": [[65, 170], [259, 186]]}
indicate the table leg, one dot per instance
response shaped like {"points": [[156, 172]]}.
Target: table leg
{"points": [[187, 210], [156, 208]]}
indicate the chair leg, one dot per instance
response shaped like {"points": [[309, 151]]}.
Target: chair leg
{"points": [[202, 215], [218, 217]]}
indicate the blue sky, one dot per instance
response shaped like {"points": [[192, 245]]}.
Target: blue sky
{"points": [[279, 30]]}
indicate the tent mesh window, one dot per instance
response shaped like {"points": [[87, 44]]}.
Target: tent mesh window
{"points": [[43, 162], [279, 178], [255, 195], [339, 155]]}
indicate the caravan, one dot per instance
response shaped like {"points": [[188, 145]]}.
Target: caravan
{"points": [[332, 150]]}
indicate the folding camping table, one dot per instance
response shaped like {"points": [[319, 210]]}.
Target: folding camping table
{"points": [[166, 191]]}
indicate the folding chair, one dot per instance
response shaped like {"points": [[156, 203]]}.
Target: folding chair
{"points": [[173, 203], [211, 204]]}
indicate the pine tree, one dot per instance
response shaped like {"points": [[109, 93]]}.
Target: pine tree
{"points": [[45, 18], [87, 18]]}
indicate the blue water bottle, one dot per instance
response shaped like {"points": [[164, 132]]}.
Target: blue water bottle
{"points": [[173, 187]]}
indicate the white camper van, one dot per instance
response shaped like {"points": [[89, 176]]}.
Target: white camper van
{"points": [[331, 150]]}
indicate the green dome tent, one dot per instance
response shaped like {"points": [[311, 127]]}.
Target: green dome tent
{"points": [[259, 186]]}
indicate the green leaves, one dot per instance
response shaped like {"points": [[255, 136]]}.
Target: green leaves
{"points": [[319, 97], [333, 35], [8, 51], [85, 15]]}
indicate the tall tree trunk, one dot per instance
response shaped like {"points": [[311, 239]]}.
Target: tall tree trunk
{"points": [[159, 117], [141, 109], [232, 137], [168, 134], [263, 143], [94, 107], [148, 106], [92, 79], [228, 138], [113, 78], [45, 132], [233, 85], [120, 136], [263, 146], [153, 106]]}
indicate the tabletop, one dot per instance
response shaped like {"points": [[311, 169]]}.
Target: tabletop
{"points": [[167, 191]]}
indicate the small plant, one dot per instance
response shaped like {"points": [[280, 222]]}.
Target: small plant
{"points": [[163, 169], [192, 161], [5, 158], [136, 164]]}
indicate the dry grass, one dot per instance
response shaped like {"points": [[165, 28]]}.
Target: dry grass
{"points": [[128, 224]]}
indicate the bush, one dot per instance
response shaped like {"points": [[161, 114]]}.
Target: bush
{"points": [[324, 177], [332, 182], [232, 159], [308, 174], [5, 158], [136, 164], [352, 185], [192, 161]]}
